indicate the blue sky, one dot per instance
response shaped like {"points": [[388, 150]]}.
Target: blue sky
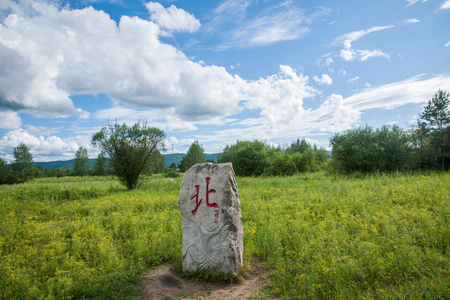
{"points": [[215, 71]]}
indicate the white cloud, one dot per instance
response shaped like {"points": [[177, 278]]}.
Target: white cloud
{"points": [[57, 53], [411, 2], [408, 21], [362, 55], [182, 143], [172, 18], [85, 52], [445, 5], [41, 130], [335, 114], [349, 54], [43, 149], [366, 54], [412, 90], [9, 120], [325, 60], [280, 96], [329, 61], [326, 79], [354, 79], [240, 28], [448, 44], [348, 38]]}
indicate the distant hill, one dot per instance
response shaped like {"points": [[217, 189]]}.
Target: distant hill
{"points": [[68, 164], [63, 164]]}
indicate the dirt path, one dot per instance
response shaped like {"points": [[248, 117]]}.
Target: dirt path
{"points": [[164, 284]]}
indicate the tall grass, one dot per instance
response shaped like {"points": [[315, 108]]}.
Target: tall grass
{"points": [[322, 237], [84, 238], [383, 236]]}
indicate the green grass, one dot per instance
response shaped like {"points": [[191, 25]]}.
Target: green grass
{"points": [[321, 237]]}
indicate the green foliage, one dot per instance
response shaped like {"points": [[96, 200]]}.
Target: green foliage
{"points": [[336, 237], [248, 158], [283, 165], [298, 147], [437, 111], [5, 173], [171, 173], [320, 236], [101, 165], [157, 163], [23, 164], [130, 149], [436, 118], [195, 155], [84, 238], [80, 163], [367, 150], [256, 158]]}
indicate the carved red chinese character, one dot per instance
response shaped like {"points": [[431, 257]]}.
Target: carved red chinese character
{"points": [[208, 191], [208, 179], [197, 203]]}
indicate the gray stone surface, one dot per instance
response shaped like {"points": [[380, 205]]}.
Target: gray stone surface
{"points": [[212, 221]]}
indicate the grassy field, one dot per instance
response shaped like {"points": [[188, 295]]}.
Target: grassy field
{"points": [[321, 236]]}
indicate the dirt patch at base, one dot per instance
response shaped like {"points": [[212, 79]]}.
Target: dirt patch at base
{"points": [[163, 283]]}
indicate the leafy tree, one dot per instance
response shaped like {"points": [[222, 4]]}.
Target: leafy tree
{"points": [[392, 149], [421, 154], [5, 173], [195, 155], [101, 165], [81, 160], [248, 158], [23, 164], [129, 149], [354, 150], [367, 150], [283, 165], [157, 163], [298, 147], [436, 115]]}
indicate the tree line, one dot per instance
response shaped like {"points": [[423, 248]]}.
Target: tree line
{"points": [[129, 152]]}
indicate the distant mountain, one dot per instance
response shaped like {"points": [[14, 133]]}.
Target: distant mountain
{"points": [[68, 164], [63, 164]]}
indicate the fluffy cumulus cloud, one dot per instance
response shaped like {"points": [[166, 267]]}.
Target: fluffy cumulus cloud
{"points": [[40, 146], [172, 18], [183, 143], [445, 5], [85, 52], [9, 120], [326, 79], [335, 113], [280, 96], [61, 52]]}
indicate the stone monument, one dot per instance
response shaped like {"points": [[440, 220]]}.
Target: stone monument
{"points": [[212, 221]]}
